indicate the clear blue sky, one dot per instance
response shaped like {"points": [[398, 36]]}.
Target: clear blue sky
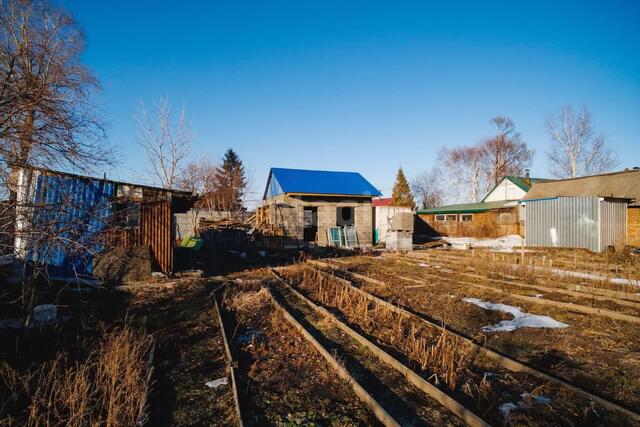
{"points": [[362, 86]]}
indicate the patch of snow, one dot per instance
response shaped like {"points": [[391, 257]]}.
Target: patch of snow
{"points": [[538, 295], [422, 264], [581, 275], [543, 400], [520, 318], [501, 244], [217, 383], [506, 408]]}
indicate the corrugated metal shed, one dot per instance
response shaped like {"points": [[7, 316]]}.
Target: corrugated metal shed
{"points": [[66, 219], [70, 214], [301, 181], [619, 185], [575, 222]]}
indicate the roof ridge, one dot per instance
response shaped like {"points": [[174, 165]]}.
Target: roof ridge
{"points": [[594, 176]]}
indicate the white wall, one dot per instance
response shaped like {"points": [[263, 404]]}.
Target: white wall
{"points": [[383, 217], [506, 190]]}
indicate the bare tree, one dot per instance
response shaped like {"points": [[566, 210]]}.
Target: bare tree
{"points": [[464, 167], [505, 153], [166, 142], [47, 115], [427, 188], [199, 177], [577, 150]]}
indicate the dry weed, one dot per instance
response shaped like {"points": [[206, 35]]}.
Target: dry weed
{"points": [[108, 389]]}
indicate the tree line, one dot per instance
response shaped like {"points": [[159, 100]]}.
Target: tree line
{"points": [[466, 173]]}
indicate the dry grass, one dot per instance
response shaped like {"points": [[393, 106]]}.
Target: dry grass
{"points": [[107, 389], [437, 353]]}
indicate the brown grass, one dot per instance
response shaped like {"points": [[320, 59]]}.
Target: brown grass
{"points": [[437, 353], [108, 389]]}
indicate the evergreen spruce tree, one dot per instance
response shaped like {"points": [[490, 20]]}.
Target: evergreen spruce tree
{"points": [[402, 195], [230, 182]]}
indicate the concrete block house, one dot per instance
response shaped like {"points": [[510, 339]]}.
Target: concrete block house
{"points": [[305, 204]]}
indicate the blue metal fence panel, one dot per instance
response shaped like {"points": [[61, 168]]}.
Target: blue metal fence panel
{"points": [[70, 214]]}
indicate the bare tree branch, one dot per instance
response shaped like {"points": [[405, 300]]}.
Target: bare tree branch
{"points": [[167, 144], [576, 149], [427, 188]]}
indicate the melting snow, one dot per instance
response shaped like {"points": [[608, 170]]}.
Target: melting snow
{"points": [[501, 244], [508, 407], [520, 318], [217, 383]]}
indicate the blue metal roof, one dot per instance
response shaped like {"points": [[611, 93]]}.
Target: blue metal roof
{"points": [[318, 182]]}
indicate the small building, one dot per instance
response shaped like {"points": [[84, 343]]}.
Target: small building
{"points": [[497, 214], [383, 215], [319, 206], [63, 220], [592, 212]]}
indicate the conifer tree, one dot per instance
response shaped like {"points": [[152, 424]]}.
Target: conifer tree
{"points": [[402, 195], [230, 182]]}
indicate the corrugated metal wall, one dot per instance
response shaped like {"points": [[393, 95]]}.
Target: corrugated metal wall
{"points": [[575, 222], [157, 231], [613, 223], [69, 215], [73, 215]]}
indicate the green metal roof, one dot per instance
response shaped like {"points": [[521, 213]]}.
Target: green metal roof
{"points": [[521, 181], [466, 207]]}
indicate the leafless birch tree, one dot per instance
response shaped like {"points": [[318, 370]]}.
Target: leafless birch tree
{"points": [[166, 142], [463, 166], [576, 148]]}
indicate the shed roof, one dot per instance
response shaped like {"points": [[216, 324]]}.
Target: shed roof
{"points": [[302, 181], [87, 177], [468, 207], [382, 201], [619, 185]]}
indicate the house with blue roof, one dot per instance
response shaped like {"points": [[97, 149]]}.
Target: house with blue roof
{"points": [[315, 206]]}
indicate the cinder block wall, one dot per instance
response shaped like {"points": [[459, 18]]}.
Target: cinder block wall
{"points": [[633, 226], [292, 216]]}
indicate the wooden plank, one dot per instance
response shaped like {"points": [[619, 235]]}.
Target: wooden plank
{"points": [[444, 399], [230, 363], [516, 282], [505, 361], [381, 414]]}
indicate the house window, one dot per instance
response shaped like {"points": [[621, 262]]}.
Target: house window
{"points": [[439, 217], [451, 217], [466, 217], [345, 216]]}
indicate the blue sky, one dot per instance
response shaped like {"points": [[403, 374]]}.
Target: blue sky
{"points": [[362, 86]]}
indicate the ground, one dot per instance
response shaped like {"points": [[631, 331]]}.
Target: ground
{"points": [[450, 309]]}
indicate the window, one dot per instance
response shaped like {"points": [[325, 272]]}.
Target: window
{"points": [[127, 215], [466, 217], [452, 217], [345, 216], [439, 217]]}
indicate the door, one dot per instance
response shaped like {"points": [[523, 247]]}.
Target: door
{"points": [[310, 224]]}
